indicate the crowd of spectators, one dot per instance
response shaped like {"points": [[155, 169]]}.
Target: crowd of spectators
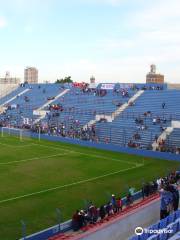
{"points": [[92, 213], [85, 89], [121, 92], [56, 107], [133, 144], [169, 194], [164, 146], [146, 87], [143, 122], [120, 88], [167, 187], [70, 130]]}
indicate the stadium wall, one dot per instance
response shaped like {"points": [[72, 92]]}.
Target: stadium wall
{"points": [[110, 147]]}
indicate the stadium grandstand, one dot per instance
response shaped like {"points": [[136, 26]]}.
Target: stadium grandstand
{"points": [[131, 115], [107, 157]]}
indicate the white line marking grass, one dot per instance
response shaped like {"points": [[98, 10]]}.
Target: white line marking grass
{"points": [[73, 151], [88, 154], [68, 185], [16, 146], [32, 159]]}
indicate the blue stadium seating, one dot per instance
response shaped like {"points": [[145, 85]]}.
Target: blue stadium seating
{"points": [[172, 222], [148, 101], [86, 105]]}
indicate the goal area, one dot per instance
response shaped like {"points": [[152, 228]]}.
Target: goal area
{"points": [[14, 132], [21, 134]]}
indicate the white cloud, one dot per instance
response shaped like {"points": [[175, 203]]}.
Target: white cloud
{"points": [[110, 2], [151, 34], [153, 37], [114, 44], [3, 22], [29, 29], [162, 36], [159, 13]]}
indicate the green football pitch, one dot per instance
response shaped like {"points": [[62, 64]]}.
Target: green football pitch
{"points": [[37, 177]]}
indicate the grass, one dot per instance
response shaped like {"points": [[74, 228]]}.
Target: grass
{"points": [[38, 177]]}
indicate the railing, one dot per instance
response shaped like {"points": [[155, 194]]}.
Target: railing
{"points": [[66, 226]]}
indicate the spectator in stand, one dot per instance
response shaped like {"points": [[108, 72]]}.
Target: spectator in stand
{"points": [[143, 190], [163, 206], [131, 103], [106, 140], [173, 196], [129, 199], [109, 209], [82, 219], [154, 121], [159, 183], [119, 204], [163, 105], [93, 214], [76, 221], [164, 120], [102, 212], [137, 136], [147, 190], [155, 186], [114, 205], [162, 128], [156, 138], [131, 192], [166, 202]]}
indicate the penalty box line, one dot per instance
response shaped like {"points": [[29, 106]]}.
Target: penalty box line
{"points": [[68, 185], [92, 155], [32, 159], [69, 149], [64, 149], [16, 146]]}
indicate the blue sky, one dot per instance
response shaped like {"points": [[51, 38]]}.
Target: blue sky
{"points": [[115, 40]]}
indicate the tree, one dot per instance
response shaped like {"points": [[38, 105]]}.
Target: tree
{"points": [[65, 80]]}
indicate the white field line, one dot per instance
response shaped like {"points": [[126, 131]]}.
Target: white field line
{"points": [[67, 185], [9, 145], [32, 159], [72, 151], [88, 154]]}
